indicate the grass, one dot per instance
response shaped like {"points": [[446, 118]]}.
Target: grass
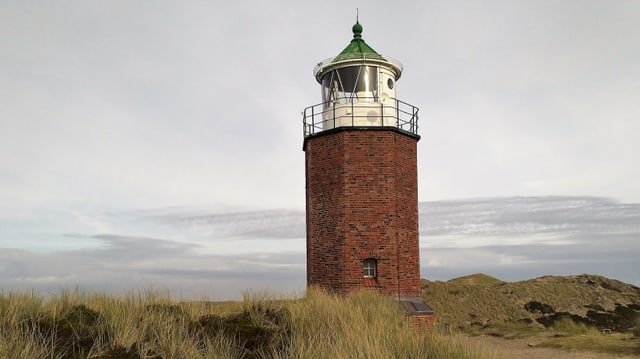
{"points": [[568, 313], [581, 337], [506, 330], [76, 324], [568, 327], [472, 300], [617, 343], [566, 334]]}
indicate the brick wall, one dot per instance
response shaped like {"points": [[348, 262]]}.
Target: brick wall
{"points": [[422, 322], [362, 202]]}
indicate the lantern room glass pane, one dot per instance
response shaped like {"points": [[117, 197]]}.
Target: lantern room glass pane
{"points": [[348, 84]]}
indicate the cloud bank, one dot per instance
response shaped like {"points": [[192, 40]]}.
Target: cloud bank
{"points": [[521, 237], [221, 255]]}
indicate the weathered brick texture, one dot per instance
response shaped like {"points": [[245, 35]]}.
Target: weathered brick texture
{"points": [[362, 202], [422, 322]]}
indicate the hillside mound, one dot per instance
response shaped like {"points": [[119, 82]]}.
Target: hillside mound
{"points": [[476, 279], [479, 299]]}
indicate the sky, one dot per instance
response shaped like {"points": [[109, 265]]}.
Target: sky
{"points": [[159, 144]]}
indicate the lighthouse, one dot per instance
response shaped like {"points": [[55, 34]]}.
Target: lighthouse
{"points": [[360, 147]]}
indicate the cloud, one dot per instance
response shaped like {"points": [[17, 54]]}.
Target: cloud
{"points": [[522, 237], [125, 263], [283, 224], [174, 129], [134, 105], [222, 254], [515, 216]]}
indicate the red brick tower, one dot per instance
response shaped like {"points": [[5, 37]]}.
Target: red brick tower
{"points": [[361, 178]]}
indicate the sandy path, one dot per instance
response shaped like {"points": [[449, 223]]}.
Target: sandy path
{"points": [[520, 349]]}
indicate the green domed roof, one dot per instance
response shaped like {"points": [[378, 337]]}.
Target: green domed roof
{"points": [[357, 48], [356, 52]]}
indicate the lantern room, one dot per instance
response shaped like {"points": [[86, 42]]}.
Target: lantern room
{"points": [[359, 90]]}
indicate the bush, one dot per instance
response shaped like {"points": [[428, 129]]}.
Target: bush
{"points": [[537, 307]]}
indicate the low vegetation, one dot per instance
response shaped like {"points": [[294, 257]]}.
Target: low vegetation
{"points": [[479, 299], [576, 313], [75, 325], [572, 336]]}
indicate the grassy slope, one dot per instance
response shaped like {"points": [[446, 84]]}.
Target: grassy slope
{"points": [[573, 309], [480, 298]]}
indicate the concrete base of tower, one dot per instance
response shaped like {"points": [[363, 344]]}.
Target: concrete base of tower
{"points": [[420, 315]]}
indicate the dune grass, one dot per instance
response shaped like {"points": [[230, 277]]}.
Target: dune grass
{"points": [[567, 313], [581, 337], [76, 324]]}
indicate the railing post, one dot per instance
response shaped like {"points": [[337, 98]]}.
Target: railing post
{"points": [[398, 112], [313, 119], [353, 121], [334, 114]]}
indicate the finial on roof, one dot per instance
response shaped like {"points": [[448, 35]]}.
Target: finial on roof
{"points": [[357, 30]]}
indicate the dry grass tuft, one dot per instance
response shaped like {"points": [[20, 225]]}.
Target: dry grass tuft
{"points": [[75, 324]]}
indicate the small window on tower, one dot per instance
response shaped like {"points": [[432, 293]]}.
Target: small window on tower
{"points": [[369, 268]]}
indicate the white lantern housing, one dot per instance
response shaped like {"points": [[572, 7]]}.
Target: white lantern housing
{"points": [[359, 90]]}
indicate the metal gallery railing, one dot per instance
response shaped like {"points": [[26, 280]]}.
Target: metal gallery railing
{"points": [[358, 112]]}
